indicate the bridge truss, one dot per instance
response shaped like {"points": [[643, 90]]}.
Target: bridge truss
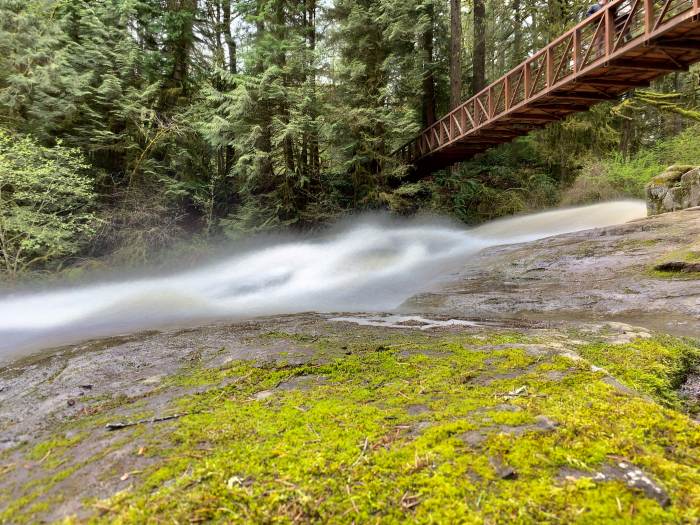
{"points": [[624, 46]]}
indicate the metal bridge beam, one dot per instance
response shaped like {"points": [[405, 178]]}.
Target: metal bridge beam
{"points": [[597, 60]]}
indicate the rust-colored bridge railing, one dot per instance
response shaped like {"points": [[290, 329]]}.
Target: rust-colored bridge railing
{"points": [[595, 43]]}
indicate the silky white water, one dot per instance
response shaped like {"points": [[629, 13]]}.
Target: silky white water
{"points": [[374, 265]]}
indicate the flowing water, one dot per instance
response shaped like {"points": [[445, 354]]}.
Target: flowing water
{"points": [[373, 265]]}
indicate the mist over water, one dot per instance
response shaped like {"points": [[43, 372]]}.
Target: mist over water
{"points": [[373, 265]]}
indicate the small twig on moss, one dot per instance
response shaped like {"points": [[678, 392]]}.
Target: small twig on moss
{"points": [[312, 429], [351, 499], [362, 454], [46, 456], [126, 424], [408, 500]]}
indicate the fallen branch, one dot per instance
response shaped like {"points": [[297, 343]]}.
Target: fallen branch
{"points": [[126, 424]]}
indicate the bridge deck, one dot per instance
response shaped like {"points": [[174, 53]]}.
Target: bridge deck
{"points": [[624, 46]]}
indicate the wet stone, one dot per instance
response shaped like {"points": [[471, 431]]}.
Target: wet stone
{"points": [[301, 383], [556, 375], [415, 410], [691, 388], [473, 438], [504, 407], [544, 424], [501, 469], [571, 474], [617, 385], [632, 476], [417, 429], [636, 479], [265, 394]]}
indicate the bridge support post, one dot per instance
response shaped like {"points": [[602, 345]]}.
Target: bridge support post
{"points": [[648, 16], [506, 91], [609, 33], [527, 78]]}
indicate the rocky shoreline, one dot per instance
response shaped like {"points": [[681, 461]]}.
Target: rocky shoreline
{"points": [[635, 273]]}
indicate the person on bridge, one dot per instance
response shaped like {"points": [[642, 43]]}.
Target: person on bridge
{"points": [[596, 7], [599, 43]]}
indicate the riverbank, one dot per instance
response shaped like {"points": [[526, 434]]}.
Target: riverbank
{"points": [[464, 410], [624, 273]]}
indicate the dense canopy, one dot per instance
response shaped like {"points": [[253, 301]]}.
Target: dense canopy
{"points": [[226, 117]]}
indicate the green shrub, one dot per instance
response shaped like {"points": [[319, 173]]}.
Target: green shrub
{"points": [[46, 204], [617, 177]]}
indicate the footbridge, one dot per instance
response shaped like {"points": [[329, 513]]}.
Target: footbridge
{"points": [[624, 46]]}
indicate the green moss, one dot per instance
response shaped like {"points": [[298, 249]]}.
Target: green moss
{"points": [[690, 255], [53, 461], [687, 255], [674, 276], [50, 452], [17, 510], [656, 366], [197, 376], [349, 449], [377, 436]]}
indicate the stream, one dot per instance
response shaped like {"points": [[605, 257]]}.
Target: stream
{"points": [[372, 265]]}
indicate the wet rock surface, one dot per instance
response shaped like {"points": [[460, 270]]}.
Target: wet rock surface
{"points": [[691, 386], [136, 386], [624, 471], [605, 274], [475, 438]]}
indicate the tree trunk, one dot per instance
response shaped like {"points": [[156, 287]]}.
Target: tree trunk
{"points": [[280, 58], [228, 36], [455, 53], [181, 40], [428, 95], [314, 154], [517, 55], [556, 21], [263, 141], [479, 77]]}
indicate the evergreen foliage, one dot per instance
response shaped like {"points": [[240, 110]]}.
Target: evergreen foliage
{"points": [[225, 117]]}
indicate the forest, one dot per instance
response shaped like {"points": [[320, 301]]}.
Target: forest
{"points": [[137, 131]]}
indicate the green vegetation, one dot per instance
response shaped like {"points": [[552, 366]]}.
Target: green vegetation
{"points": [[46, 202], [408, 427], [620, 176], [657, 367], [678, 264], [181, 123]]}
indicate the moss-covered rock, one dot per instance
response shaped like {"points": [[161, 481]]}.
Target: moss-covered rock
{"points": [[676, 189], [468, 424]]}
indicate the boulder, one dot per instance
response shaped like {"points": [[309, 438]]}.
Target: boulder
{"points": [[676, 189]]}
